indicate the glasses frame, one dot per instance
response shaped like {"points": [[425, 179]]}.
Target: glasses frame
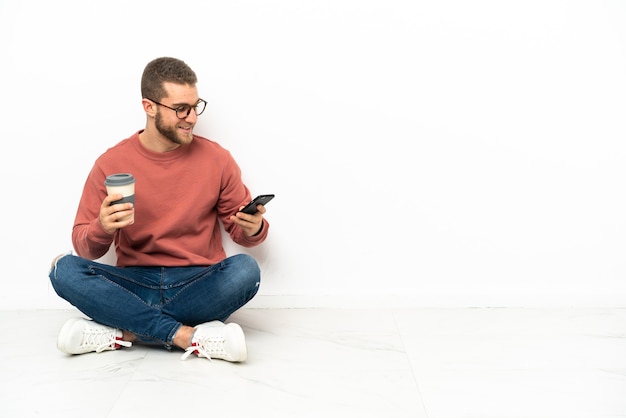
{"points": [[178, 109]]}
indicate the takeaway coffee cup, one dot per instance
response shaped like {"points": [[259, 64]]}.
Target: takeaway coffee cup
{"points": [[123, 183]]}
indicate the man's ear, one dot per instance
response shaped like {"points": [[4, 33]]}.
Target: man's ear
{"points": [[149, 107]]}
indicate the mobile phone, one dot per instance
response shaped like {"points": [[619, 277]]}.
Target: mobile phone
{"points": [[262, 199]]}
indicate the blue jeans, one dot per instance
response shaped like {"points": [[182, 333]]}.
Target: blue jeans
{"points": [[154, 302]]}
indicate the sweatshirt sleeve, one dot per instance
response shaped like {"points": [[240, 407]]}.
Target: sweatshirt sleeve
{"points": [[235, 194], [237, 235], [90, 240]]}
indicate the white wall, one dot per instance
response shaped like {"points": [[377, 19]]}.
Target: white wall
{"points": [[457, 153]]}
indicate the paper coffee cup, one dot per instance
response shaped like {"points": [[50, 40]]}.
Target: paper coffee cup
{"points": [[122, 183]]}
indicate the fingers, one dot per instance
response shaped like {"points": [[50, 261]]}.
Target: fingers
{"points": [[116, 216], [251, 224], [260, 211]]}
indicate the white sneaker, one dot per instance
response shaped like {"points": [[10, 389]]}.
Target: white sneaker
{"points": [[216, 340], [80, 336]]}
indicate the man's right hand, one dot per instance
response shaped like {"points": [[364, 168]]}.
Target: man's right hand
{"points": [[117, 216]]}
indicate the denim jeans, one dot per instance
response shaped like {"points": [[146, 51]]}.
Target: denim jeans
{"points": [[154, 302]]}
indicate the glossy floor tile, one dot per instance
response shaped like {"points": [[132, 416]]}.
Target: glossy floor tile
{"points": [[435, 363]]}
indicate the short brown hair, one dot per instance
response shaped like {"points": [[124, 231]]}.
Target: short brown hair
{"points": [[161, 70]]}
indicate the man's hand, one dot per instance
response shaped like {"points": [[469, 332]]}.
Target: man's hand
{"points": [[117, 216], [251, 224]]}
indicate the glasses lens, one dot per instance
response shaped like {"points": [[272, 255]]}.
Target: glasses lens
{"points": [[183, 111], [200, 106]]}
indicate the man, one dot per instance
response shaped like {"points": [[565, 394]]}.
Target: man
{"points": [[172, 283]]}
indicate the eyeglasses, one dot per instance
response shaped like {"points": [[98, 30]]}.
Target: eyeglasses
{"points": [[183, 111]]}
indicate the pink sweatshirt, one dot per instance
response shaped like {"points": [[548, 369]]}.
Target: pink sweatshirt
{"points": [[179, 197]]}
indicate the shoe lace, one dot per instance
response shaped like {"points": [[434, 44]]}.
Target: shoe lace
{"points": [[208, 346], [101, 339]]}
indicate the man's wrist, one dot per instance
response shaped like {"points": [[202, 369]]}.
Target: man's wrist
{"points": [[259, 231]]}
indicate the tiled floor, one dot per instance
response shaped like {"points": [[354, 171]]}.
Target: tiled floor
{"points": [[431, 363]]}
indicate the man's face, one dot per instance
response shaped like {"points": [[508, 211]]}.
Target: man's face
{"points": [[178, 131]]}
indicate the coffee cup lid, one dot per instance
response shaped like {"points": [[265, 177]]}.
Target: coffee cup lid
{"points": [[119, 179]]}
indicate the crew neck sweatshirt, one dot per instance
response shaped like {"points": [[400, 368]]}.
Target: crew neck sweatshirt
{"points": [[180, 198]]}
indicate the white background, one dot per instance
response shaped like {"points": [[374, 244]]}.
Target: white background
{"points": [[455, 153]]}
